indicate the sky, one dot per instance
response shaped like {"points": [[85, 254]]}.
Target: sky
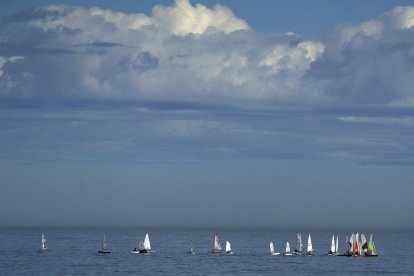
{"points": [[282, 114]]}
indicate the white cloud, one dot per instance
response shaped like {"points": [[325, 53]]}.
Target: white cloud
{"points": [[296, 59], [408, 121], [401, 17], [183, 19], [186, 52], [4, 60]]}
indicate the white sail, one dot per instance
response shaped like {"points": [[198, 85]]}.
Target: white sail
{"points": [[352, 243], [309, 249], [147, 243], [272, 248], [216, 244], [333, 244], [287, 247], [228, 247], [336, 245]]}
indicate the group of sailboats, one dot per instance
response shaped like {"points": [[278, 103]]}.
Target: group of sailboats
{"points": [[356, 245], [298, 248], [217, 246]]}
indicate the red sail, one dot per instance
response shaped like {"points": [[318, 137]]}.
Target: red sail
{"points": [[356, 247]]}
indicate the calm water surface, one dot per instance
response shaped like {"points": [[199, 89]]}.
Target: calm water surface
{"points": [[75, 252]]}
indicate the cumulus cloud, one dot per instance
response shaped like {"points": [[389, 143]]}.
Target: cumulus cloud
{"points": [[179, 52], [183, 19], [369, 63], [187, 52]]}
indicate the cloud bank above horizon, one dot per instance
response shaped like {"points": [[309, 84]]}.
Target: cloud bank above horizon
{"points": [[194, 53], [197, 82]]}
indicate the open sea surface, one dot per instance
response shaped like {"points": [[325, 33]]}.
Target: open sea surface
{"points": [[75, 252]]}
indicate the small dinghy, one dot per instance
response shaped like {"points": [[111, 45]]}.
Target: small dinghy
{"points": [[349, 248], [372, 251], [104, 249], [309, 250], [272, 250], [334, 247], [43, 244], [144, 247], [191, 251], [228, 248], [287, 250], [216, 245], [299, 245]]}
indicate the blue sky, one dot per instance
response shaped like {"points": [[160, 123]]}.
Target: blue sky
{"points": [[304, 17], [238, 114]]}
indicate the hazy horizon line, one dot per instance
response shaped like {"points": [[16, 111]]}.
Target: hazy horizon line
{"points": [[208, 228]]}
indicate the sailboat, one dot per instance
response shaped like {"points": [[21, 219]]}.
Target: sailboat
{"points": [[353, 245], [299, 245], [43, 244], [355, 250], [332, 251], [363, 245], [191, 251], [216, 245], [272, 250], [228, 248], [348, 243], [372, 251], [143, 246], [309, 250], [287, 250], [104, 246]]}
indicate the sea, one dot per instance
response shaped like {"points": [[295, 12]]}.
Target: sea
{"points": [[75, 252]]}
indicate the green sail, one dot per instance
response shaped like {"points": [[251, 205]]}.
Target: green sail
{"points": [[370, 247]]}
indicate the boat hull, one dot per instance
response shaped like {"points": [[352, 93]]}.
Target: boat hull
{"points": [[104, 251], [142, 251]]}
